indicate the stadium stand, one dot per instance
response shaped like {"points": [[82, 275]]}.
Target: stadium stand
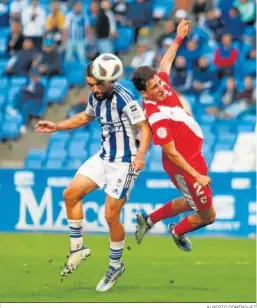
{"points": [[226, 130]]}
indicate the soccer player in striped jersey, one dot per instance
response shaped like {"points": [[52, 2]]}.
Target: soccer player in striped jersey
{"points": [[114, 168], [181, 139]]}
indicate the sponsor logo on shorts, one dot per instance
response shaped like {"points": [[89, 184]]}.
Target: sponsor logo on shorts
{"points": [[162, 132]]}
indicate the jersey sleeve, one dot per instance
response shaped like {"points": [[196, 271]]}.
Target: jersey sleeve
{"points": [[165, 77], [134, 112], [160, 125], [89, 109]]}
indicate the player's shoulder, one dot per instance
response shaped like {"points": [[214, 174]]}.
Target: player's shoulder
{"points": [[150, 107], [123, 95]]}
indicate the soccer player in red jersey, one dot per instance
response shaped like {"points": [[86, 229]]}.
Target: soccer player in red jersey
{"points": [[181, 139]]}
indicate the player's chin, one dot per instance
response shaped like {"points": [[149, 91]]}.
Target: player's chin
{"points": [[161, 96]]}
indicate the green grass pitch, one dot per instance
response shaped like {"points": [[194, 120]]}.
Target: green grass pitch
{"points": [[217, 270]]}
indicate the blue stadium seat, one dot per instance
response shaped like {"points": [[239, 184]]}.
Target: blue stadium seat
{"points": [[56, 145], [54, 163], [94, 148], [34, 159], [75, 73], [60, 136], [76, 150], [11, 126], [3, 46], [17, 81], [3, 64], [12, 95], [121, 44], [80, 136], [56, 153], [73, 163], [57, 89], [162, 8]]}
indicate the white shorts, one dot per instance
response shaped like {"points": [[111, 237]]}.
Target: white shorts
{"points": [[117, 179]]}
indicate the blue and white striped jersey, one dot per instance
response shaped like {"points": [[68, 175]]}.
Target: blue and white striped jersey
{"points": [[76, 25], [117, 117]]}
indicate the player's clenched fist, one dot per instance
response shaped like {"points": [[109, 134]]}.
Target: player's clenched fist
{"points": [[45, 127], [183, 28]]}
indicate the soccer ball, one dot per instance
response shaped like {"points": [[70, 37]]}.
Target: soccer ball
{"points": [[107, 67]]}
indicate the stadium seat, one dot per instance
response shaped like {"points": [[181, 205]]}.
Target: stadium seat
{"points": [[3, 46], [73, 163], [162, 8], [60, 136], [56, 153], [75, 73], [3, 64], [80, 136], [57, 89], [121, 44], [76, 149], [11, 126], [54, 163], [94, 148], [17, 81], [34, 159], [12, 95]]}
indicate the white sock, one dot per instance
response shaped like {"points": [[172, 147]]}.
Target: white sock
{"points": [[76, 232], [115, 253]]}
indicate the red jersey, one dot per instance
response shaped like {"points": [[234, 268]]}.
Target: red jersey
{"points": [[169, 121]]}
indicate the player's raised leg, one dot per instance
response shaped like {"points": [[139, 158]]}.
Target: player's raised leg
{"points": [[168, 210], [79, 187], [117, 236], [200, 200]]}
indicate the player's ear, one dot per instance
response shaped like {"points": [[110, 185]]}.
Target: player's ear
{"points": [[144, 94]]}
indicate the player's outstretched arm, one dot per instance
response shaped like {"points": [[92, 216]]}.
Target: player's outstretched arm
{"points": [[169, 56], [176, 158], [78, 120], [145, 140]]}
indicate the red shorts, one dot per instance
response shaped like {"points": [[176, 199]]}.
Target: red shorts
{"points": [[197, 197]]}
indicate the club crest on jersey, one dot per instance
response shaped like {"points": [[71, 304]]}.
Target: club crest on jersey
{"points": [[162, 132]]}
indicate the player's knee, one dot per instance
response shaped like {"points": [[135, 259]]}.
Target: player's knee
{"points": [[111, 216], [211, 217], [69, 194]]}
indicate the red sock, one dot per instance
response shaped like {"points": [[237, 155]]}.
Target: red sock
{"points": [[183, 227], [164, 212]]}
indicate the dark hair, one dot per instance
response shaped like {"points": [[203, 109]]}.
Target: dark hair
{"points": [[89, 68], [141, 76]]}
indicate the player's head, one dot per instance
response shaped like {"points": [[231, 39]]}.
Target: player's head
{"points": [[101, 89], [146, 81]]}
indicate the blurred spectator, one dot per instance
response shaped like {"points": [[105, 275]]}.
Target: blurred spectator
{"points": [[235, 25], [29, 100], [21, 62], [245, 100], [144, 56], [169, 32], [75, 33], [33, 21], [103, 31], [80, 106], [159, 55], [106, 6], [55, 24], [94, 10], [120, 8], [181, 75], [215, 24], [140, 14], [16, 8], [192, 53], [225, 56], [204, 77], [247, 9], [49, 62], [4, 14], [200, 8], [16, 38]]}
